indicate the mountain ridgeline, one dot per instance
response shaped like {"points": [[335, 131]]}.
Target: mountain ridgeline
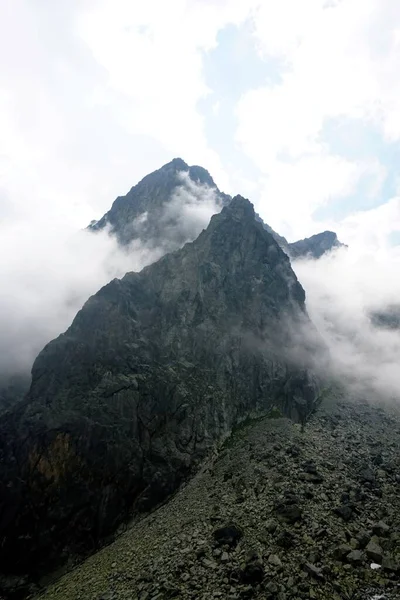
{"points": [[151, 212], [155, 369]]}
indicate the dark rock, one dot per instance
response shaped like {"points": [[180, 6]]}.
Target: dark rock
{"points": [[390, 565], [313, 571], [344, 511], [381, 528], [363, 538], [229, 535], [367, 475], [310, 467], [272, 588], [355, 557], [285, 539], [313, 478], [342, 551], [271, 526], [289, 513], [374, 551], [253, 573]]}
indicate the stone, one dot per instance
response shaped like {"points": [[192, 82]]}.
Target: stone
{"points": [[390, 565], [229, 535], [274, 560], [313, 571], [224, 557], [367, 475], [344, 511], [363, 537], [289, 513], [380, 528], [285, 539], [271, 526], [271, 587], [341, 552], [253, 573], [374, 552], [355, 557]]}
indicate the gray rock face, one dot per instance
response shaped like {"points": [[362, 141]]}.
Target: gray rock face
{"points": [[312, 247], [153, 211], [154, 369], [315, 246], [388, 318]]}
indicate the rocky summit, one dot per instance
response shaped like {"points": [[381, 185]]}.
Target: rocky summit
{"points": [[155, 370], [151, 212]]}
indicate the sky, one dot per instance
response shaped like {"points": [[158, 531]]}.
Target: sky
{"points": [[294, 105]]}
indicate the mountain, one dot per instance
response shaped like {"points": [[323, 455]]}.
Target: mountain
{"points": [[163, 210], [154, 371], [315, 246], [388, 318]]}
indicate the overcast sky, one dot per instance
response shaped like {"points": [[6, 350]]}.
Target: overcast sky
{"points": [[293, 104]]}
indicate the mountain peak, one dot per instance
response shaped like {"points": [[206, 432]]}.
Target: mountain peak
{"points": [[316, 245], [177, 164], [241, 208], [151, 211]]}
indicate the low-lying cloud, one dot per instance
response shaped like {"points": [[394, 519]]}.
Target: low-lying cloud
{"points": [[344, 289]]}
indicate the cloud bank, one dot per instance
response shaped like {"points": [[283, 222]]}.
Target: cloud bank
{"points": [[343, 291]]}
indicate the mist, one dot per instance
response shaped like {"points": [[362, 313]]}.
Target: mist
{"points": [[49, 268], [343, 291]]}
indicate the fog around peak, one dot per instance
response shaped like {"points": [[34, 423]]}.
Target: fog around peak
{"points": [[343, 290]]}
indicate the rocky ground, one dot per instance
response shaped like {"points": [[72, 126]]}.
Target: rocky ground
{"points": [[277, 513]]}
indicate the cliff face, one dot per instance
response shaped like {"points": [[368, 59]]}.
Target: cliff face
{"points": [[155, 369]]}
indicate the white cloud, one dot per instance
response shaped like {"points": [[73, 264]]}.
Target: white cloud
{"points": [[342, 290], [293, 191], [338, 59]]}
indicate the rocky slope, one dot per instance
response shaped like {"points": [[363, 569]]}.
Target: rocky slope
{"points": [[276, 514], [154, 370]]}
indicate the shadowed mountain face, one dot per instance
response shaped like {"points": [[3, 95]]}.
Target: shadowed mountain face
{"points": [[155, 369]]}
